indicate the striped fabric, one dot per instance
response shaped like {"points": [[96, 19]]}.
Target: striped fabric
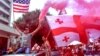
{"points": [[21, 5]]}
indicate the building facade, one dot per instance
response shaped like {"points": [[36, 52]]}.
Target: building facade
{"points": [[6, 32]]}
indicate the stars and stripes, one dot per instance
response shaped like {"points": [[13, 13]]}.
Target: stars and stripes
{"points": [[21, 5]]}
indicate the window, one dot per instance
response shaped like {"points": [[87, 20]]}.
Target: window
{"points": [[8, 2], [4, 22], [4, 7]]}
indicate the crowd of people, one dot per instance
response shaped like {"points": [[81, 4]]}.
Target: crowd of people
{"points": [[92, 48], [44, 48]]}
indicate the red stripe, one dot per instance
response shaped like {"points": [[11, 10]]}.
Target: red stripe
{"points": [[20, 5], [61, 30], [81, 30], [21, 8], [91, 26]]}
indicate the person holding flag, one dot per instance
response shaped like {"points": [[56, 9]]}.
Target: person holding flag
{"points": [[25, 39], [22, 6]]}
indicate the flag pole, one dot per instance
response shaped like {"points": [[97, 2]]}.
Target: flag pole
{"points": [[48, 34], [46, 43], [12, 18], [61, 12]]}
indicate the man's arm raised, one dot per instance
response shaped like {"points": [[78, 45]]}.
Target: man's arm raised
{"points": [[41, 16], [36, 30]]}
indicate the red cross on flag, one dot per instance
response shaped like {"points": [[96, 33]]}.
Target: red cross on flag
{"points": [[63, 29], [91, 22], [66, 39], [92, 26]]}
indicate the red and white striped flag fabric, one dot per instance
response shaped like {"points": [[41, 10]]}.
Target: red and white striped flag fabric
{"points": [[21, 5], [91, 22], [63, 29], [92, 26]]}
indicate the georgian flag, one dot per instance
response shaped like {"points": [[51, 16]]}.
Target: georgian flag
{"points": [[92, 25], [63, 29]]}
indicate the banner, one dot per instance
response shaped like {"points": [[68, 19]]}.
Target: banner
{"points": [[64, 29], [21, 5]]}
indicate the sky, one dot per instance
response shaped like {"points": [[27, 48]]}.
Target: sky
{"points": [[36, 4], [74, 7]]}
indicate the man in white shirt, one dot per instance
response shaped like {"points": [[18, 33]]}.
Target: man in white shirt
{"points": [[25, 39]]}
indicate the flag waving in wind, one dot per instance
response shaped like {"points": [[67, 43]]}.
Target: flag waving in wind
{"points": [[21, 5], [63, 29], [66, 29]]}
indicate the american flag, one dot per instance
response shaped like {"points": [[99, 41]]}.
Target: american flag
{"points": [[21, 5]]}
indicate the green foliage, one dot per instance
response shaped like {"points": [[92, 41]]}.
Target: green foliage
{"points": [[30, 20]]}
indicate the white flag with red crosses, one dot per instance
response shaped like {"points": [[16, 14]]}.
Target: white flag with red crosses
{"points": [[63, 29], [66, 29]]}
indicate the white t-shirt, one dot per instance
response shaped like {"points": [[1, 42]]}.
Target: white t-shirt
{"points": [[25, 40]]}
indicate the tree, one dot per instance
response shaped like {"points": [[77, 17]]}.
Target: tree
{"points": [[30, 20]]}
